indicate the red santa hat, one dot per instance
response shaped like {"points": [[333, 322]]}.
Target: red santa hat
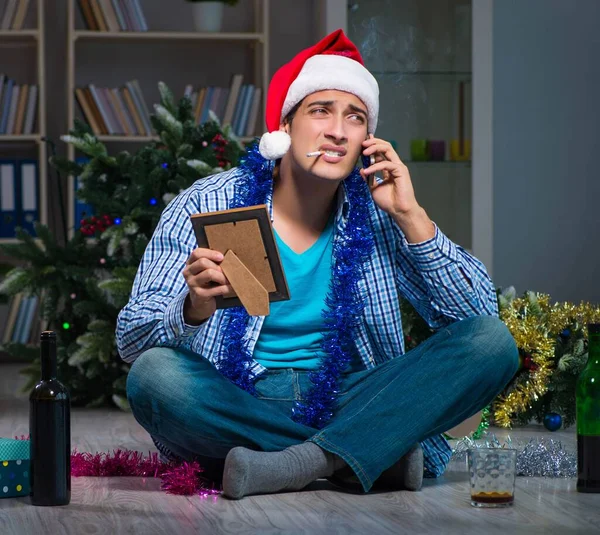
{"points": [[333, 63]]}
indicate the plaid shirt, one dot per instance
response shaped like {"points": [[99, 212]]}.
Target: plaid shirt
{"points": [[442, 281]]}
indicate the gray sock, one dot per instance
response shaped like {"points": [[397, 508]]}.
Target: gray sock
{"points": [[255, 472], [407, 473]]}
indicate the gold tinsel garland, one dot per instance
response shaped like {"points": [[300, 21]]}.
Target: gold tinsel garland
{"points": [[535, 326]]}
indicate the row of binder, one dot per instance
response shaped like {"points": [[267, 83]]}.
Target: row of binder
{"points": [[19, 196]]}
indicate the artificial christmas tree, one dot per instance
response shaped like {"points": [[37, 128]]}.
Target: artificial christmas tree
{"points": [[86, 281]]}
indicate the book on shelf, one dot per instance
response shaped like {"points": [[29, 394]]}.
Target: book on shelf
{"points": [[254, 109], [113, 15], [234, 90], [18, 105], [20, 319], [13, 310], [30, 112], [7, 16], [136, 92], [20, 117], [12, 112], [115, 111], [237, 105], [21, 331], [14, 14], [110, 15], [139, 125], [5, 311]]}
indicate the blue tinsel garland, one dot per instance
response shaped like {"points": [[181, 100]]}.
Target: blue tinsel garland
{"points": [[344, 303]]}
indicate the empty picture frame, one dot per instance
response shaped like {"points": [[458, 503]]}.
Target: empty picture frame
{"points": [[248, 233]]}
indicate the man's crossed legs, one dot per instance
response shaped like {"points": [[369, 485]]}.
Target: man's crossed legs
{"points": [[382, 413]]}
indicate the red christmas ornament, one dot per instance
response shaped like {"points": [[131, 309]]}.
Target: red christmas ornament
{"points": [[219, 143], [89, 227], [528, 363]]}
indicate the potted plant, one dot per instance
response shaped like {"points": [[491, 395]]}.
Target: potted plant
{"points": [[208, 14]]}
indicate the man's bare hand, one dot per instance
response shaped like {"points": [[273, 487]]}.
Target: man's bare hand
{"points": [[205, 280]]}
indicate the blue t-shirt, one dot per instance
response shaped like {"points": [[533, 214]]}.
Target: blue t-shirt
{"points": [[291, 334]]}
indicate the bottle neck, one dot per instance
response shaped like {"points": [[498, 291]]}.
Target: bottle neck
{"points": [[48, 357], [594, 351]]}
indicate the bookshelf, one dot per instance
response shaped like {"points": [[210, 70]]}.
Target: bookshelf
{"points": [[92, 35], [258, 40], [31, 37]]}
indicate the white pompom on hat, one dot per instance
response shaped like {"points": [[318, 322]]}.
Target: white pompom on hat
{"points": [[333, 63], [273, 145]]}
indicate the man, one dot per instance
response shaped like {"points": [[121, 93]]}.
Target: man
{"points": [[321, 387]]}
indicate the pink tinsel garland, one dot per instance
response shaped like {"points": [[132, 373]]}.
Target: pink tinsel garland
{"points": [[183, 478]]}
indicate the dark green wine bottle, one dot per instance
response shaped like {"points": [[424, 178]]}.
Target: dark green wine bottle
{"points": [[588, 416], [50, 432]]}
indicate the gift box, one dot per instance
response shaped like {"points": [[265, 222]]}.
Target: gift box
{"points": [[14, 468]]}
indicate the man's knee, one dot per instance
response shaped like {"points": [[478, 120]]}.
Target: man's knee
{"points": [[168, 377], [145, 373], [492, 348]]}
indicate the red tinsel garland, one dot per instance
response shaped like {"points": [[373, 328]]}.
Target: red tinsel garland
{"points": [[176, 478]]}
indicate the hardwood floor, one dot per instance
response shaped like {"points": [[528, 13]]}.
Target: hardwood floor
{"points": [[137, 505]]}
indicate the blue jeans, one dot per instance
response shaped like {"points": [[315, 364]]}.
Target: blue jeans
{"points": [[187, 405]]}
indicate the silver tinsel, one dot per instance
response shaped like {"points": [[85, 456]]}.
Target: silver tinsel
{"points": [[538, 457]]}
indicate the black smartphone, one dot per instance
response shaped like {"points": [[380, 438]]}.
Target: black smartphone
{"points": [[368, 161]]}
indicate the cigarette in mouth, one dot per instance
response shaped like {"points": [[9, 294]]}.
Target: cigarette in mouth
{"points": [[315, 153]]}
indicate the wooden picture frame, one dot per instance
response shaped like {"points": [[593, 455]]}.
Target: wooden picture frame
{"points": [[248, 233]]}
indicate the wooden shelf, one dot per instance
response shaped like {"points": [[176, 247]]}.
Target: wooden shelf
{"points": [[15, 240], [257, 41], [19, 137], [19, 35], [146, 139], [91, 35]]}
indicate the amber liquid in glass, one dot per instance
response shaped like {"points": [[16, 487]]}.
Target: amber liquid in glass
{"points": [[493, 497]]}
